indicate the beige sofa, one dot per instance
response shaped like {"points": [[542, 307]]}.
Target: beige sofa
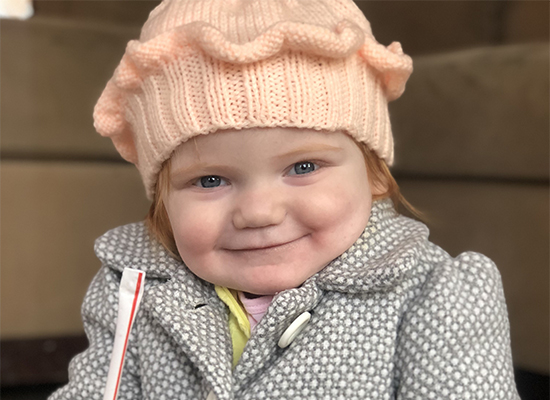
{"points": [[472, 153]]}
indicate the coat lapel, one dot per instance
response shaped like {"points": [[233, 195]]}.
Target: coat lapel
{"points": [[190, 312], [197, 321], [387, 251], [185, 306], [262, 346]]}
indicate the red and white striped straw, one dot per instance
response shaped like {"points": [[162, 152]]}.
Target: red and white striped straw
{"points": [[130, 293]]}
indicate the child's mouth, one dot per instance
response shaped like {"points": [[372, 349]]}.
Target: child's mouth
{"points": [[265, 247]]}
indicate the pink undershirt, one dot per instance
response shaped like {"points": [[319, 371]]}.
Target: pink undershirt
{"points": [[255, 308]]}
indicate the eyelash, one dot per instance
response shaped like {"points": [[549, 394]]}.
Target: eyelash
{"points": [[200, 183], [293, 168]]}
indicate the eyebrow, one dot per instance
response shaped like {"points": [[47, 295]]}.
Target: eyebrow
{"points": [[205, 167], [314, 148], [200, 166]]}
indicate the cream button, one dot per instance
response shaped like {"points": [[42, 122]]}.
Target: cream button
{"points": [[294, 330], [211, 396]]}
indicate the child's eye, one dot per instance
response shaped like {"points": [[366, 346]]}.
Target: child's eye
{"points": [[303, 167], [210, 181]]}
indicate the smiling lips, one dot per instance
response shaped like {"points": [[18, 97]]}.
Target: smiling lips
{"points": [[264, 247]]}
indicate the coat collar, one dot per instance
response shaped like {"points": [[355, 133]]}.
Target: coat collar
{"points": [[387, 250], [131, 246], [187, 307]]}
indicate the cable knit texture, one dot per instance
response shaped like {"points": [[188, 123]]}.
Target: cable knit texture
{"points": [[205, 65]]}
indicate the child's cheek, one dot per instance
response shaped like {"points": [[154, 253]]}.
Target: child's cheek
{"points": [[195, 228], [336, 206], [336, 218]]}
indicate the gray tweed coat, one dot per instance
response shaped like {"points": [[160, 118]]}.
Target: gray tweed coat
{"points": [[394, 317]]}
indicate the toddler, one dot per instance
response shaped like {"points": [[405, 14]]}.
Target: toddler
{"points": [[273, 263]]}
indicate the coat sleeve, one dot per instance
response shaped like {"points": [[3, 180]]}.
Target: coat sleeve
{"points": [[454, 340], [88, 370]]}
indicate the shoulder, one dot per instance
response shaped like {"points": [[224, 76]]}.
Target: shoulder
{"points": [[470, 280], [458, 297], [472, 275], [476, 271], [455, 322]]}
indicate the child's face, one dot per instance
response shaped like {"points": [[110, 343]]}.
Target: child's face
{"points": [[262, 210]]}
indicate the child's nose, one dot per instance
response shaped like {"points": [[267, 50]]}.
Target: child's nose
{"points": [[259, 207]]}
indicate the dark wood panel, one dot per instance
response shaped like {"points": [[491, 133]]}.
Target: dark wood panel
{"points": [[426, 27], [128, 12], [38, 361], [526, 21], [422, 26]]}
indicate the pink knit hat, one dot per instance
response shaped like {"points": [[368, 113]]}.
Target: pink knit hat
{"points": [[205, 65]]}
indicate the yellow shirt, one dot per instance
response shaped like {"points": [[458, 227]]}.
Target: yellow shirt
{"points": [[239, 326]]}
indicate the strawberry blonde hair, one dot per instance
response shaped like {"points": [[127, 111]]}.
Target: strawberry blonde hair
{"points": [[379, 176]]}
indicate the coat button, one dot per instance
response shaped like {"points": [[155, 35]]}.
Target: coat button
{"points": [[294, 330], [211, 396]]}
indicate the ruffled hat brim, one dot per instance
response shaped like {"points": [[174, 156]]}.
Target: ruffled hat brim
{"points": [[143, 59]]}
